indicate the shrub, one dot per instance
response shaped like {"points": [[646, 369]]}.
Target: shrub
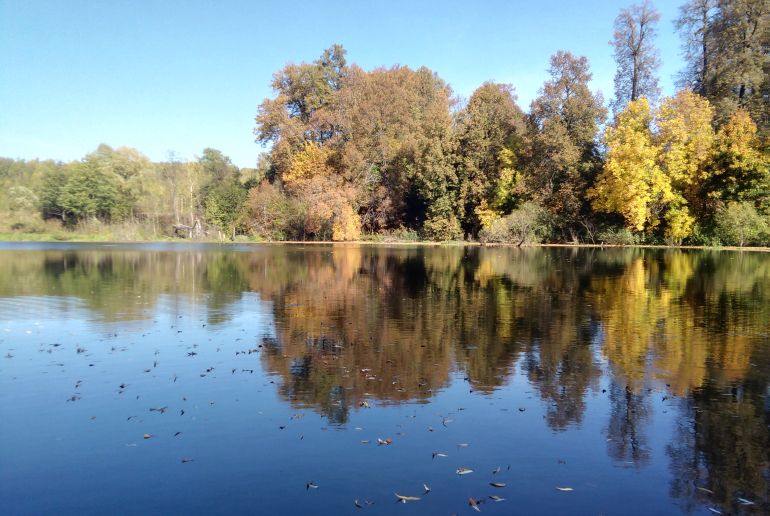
{"points": [[617, 236], [739, 223], [529, 224]]}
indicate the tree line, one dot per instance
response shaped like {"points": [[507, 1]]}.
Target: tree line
{"points": [[394, 153]]}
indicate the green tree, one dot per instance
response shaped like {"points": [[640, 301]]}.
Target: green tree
{"points": [[223, 206], [491, 129], [739, 223], [89, 193], [562, 156]]}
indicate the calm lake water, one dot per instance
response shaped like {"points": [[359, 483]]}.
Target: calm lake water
{"points": [[176, 379]]}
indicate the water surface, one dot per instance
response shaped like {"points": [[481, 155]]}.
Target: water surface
{"points": [[639, 379]]}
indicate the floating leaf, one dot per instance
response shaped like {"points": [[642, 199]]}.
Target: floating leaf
{"points": [[497, 484], [311, 485], [404, 499], [148, 436], [495, 498], [464, 471], [565, 489], [474, 504], [426, 487]]}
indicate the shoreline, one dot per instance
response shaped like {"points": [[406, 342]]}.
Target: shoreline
{"points": [[27, 238]]}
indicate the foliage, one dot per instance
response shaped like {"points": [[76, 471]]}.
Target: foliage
{"points": [[223, 205], [617, 236], [739, 223], [562, 155], [529, 224], [354, 153], [632, 182]]}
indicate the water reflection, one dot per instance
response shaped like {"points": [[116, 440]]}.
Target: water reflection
{"points": [[641, 329]]}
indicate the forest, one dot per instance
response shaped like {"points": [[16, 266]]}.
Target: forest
{"points": [[393, 154]]}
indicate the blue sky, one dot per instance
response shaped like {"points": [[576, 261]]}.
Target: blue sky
{"points": [[185, 75]]}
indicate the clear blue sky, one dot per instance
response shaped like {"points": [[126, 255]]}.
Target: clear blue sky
{"points": [[185, 75]]}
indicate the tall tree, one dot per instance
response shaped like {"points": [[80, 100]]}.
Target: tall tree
{"points": [[490, 124], [695, 25], [562, 156], [742, 59], [636, 56], [300, 110], [632, 183]]}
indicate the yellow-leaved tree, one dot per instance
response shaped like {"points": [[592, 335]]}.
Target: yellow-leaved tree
{"points": [[632, 182], [328, 200], [685, 138]]}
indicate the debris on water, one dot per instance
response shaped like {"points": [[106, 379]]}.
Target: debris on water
{"points": [[565, 489], [404, 499], [148, 436], [714, 510], [437, 454], [384, 441], [364, 404], [474, 504], [744, 501], [358, 505], [426, 487], [162, 410], [311, 485], [185, 460], [496, 470], [709, 491], [463, 445], [464, 471], [177, 434], [497, 484], [496, 498]]}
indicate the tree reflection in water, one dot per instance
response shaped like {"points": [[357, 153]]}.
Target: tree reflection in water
{"points": [[395, 324]]}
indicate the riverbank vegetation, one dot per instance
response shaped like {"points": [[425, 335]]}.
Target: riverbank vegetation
{"points": [[393, 153]]}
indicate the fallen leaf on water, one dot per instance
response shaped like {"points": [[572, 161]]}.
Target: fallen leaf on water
{"points": [[186, 460], [497, 484], [147, 436], [474, 504], [565, 489], [311, 485], [404, 499], [464, 471], [384, 441], [715, 511], [358, 505], [426, 487], [496, 470], [743, 501], [495, 498], [437, 454], [709, 491], [463, 445]]}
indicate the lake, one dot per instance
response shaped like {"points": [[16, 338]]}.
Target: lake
{"points": [[320, 379]]}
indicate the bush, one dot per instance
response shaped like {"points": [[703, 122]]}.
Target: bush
{"points": [[529, 224], [617, 236], [739, 223]]}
